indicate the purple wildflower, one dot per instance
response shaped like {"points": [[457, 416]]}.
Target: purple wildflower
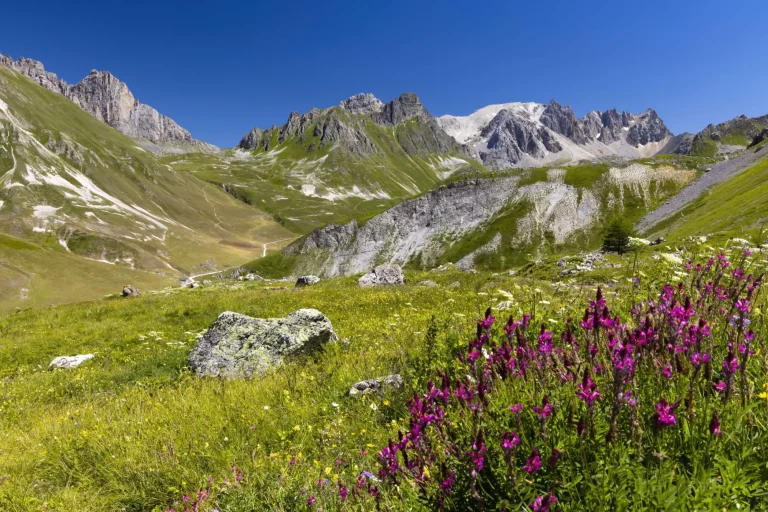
{"points": [[533, 464]]}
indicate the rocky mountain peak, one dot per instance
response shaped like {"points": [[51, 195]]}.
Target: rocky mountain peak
{"points": [[363, 103], [109, 100], [406, 106]]}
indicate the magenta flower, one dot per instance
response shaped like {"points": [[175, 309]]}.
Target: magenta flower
{"points": [[587, 391], [543, 503], [533, 464], [509, 440], [516, 409], [699, 359], [447, 484], [742, 305], [665, 413], [730, 363], [310, 500], [720, 387], [714, 425], [545, 410], [667, 371]]}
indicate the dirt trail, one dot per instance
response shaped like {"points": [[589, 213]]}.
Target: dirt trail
{"points": [[719, 172]]}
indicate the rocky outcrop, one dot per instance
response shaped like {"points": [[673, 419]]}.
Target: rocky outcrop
{"points": [[69, 362], [238, 346], [362, 104], [252, 139], [383, 275], [760, 137], [647, 128], [510, 137], [400, 109], [416, 227], [109, 100], [376, 386]]}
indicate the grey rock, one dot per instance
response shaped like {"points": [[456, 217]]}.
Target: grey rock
{"points": [[371, 386], [252, 139], [307, 281], [109, 100], [69, 362], [362, 104], [454, 284], [400, 109], [511, 137], [648, 128], [428, 283], [383, 275], [238, 346], [129, 291]]}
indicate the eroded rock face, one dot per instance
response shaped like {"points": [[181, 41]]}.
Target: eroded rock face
{"points": [[404, 107], [69, 362], [383, 275], [239, 346], [371, 386]]}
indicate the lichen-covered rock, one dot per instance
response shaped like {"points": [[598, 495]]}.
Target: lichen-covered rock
{"points": [[307, 281], [427, 283], [383, 275], [367, 387], [241, 346], [69, 362]]}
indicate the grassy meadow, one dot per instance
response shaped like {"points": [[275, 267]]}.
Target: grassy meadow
{"points": [[133, 429]]}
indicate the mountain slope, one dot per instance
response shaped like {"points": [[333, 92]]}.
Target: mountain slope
{"points": [[71, 186], [110, 100], [530, 134], [348, 161], [736, 207], [492, 223]]}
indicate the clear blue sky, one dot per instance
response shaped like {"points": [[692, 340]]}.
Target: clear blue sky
{"points": [[220, 68]]}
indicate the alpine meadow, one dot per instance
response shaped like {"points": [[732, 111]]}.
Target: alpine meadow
{"points": [[384, 302]]}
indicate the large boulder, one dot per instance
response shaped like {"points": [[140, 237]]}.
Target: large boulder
{"points": [[130, 291], [240, 346], [69, 362], [307, 281], [389, 274]]}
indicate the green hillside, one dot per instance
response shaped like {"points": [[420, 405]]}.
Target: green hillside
{"points": [[79, 191], [737, 207], [305, 182]]}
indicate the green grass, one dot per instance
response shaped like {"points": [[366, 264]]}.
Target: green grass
{"points": [[134, 430]]}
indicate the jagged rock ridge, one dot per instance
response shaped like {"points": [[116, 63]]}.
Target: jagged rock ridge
{"points": [[529, 134], [109, 100]]}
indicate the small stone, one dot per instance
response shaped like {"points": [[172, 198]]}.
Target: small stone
{"points": [[427, 283], [370, 386], [307, 281], [69, 362]]}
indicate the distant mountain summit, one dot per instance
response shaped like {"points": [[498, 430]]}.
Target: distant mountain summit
{"points": [[108, 99], [530, 134]]}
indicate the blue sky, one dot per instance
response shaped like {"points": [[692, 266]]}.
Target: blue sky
{"points": [[220, 68]]}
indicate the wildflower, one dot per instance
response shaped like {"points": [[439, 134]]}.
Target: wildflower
{"points": [[545, 410], [742, 305], [509, 440], [699, 359], [667, 371], [516, 409], [373, 407], [447, 484], [533, 464], [310, 500], [343, 491], [543, 503], [665, 413], [720, 387], [714, 425], [730, 363], [334, 405], [587, 391]]}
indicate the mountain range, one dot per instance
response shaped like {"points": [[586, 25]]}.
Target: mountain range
{"points": [[96, 182]]}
